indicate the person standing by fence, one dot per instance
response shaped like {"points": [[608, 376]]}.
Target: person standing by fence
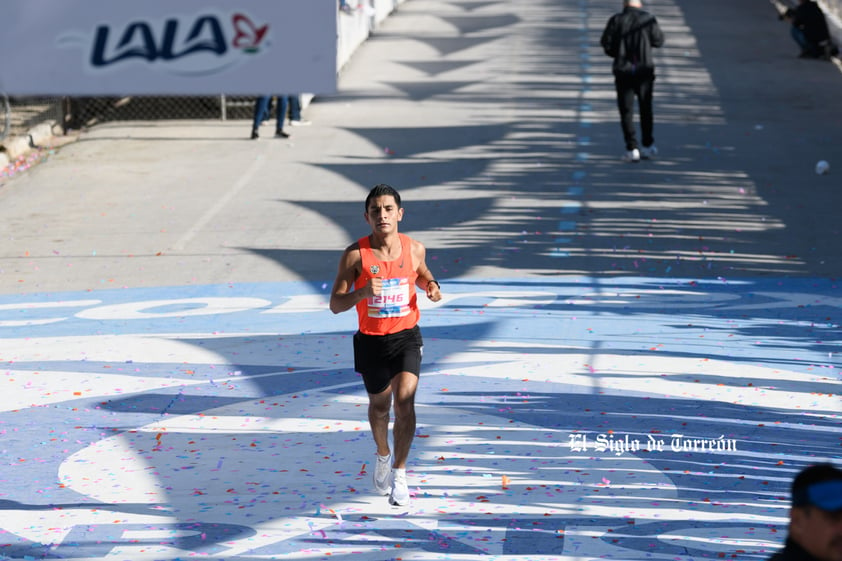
{"points": [[286, 104]]}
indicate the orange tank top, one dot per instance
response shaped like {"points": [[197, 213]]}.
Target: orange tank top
{"points": [[396, 308]]}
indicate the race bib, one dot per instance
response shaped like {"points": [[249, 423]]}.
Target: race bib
{"points": [[393, 300]]}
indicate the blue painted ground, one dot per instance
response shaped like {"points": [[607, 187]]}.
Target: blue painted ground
{"points": [[568, 418]]}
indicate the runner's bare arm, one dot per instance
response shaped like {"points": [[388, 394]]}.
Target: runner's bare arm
{"points": [[343, 296], [426, 281]]}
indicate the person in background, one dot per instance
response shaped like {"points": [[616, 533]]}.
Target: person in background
{"points": [[815, 519], [809, 30], [262, 110], [295, 119], [286, 104], [628, 38]]}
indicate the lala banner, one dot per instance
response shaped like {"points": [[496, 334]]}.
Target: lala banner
{"points": [[160, 47]]}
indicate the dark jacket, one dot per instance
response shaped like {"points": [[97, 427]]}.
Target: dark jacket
{"points": [[809, 18], [792, 552], [629, 38]]}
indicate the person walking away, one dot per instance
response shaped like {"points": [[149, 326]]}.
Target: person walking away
{"points": [[378, 274], [629, 37], [815, 519]]}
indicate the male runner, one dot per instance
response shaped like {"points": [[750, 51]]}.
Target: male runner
{"points": [[378, 274]]}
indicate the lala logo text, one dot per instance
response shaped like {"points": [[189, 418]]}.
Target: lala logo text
{"points": [[185, 45]]}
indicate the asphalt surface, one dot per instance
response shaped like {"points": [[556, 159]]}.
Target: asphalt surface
{"points": [[175, 385], [499, 127]]}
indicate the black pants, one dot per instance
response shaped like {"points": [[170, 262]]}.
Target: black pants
{"points": [[628, 87]]}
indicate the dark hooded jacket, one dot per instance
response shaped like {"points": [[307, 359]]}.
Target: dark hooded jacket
{"points": [[629, 38]]}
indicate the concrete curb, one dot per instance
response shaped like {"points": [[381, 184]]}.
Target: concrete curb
{"points": [[833, 22], [43, 135]]}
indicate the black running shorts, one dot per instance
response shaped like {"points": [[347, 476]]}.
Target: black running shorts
{"points": [[379, 358]]}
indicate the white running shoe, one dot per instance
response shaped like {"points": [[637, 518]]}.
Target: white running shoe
{"points": [[400, 492], [649, 152], [632, 156], [383, 474], [300, 123]]}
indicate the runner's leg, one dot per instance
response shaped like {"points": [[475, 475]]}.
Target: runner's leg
{"points": [[378, 418], [403, 388]]}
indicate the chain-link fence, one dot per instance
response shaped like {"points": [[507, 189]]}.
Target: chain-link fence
{"points": [[83, 112], [26, 112]]}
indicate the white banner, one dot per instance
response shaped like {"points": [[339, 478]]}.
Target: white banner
{"points": [[167, 47]]}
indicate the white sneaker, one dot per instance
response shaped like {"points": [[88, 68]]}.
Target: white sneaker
{"points": [[400, 492], [383, 474], [301, 123], [632, 156], [649, 152]]}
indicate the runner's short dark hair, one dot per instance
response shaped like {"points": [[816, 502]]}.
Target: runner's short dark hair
{"points": [[382, 190]]}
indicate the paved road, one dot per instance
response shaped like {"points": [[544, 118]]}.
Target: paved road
{"points": [[631, 361], [499, 126]]}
